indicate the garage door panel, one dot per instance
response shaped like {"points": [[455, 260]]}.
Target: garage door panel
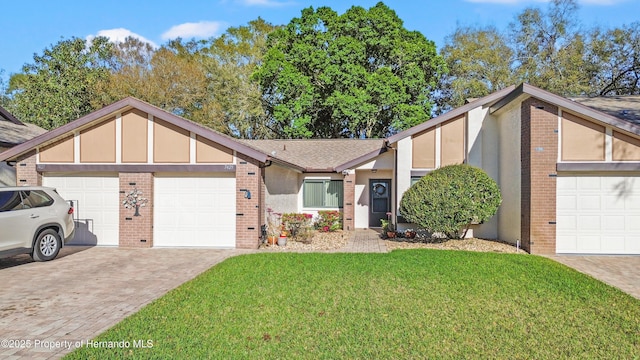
{"points": [[591, 202], [613, 223], [567, 202], [589, 183], [194, 211], [97, 206], [606, 216]]}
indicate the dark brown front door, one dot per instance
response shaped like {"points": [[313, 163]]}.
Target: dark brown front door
{"points": [[380, 200]]}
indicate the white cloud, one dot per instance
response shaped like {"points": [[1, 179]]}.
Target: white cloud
{"points": [[266, 3], [202, 29], [119, 35]]}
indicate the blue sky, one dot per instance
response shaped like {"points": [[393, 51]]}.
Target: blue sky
{"points": [[26, 31]]}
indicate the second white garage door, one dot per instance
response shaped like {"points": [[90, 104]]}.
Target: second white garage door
{"points": [[96, 201], [194, 211], [598, 215]]}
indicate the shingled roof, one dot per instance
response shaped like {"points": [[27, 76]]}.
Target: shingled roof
{"points": [[623, 107], [14, 132], [316, 155]]}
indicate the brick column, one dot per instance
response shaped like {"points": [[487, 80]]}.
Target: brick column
{"points": [[26, 174], [136, 231], [249, 176], [349, 206], [538, 192]]}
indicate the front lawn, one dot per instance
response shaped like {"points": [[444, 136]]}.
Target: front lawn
{"points": [[404, 304]]}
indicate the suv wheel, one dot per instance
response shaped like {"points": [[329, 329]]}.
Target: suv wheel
{"points": [[47, 245]]}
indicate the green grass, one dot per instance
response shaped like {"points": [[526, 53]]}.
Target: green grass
{"points": [[405, 304]]}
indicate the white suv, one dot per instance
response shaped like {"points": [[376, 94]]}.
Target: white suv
{"points": [[34, 220]]}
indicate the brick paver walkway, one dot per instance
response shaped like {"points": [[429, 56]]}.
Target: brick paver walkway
{"points": [[365, 241], [84, 292]]}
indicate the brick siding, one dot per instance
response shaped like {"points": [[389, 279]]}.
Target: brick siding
{"points": [[249, 217], [136, 231], [539, 156], [26, 173], [349, 192]]}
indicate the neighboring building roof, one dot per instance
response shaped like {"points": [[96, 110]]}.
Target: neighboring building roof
{"points": [[127, 103], [623, 107], [5, 115], [525, 90], [14, 132], [317, 155]]}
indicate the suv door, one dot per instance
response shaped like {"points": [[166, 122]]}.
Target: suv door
{"points": [[14, 228]]}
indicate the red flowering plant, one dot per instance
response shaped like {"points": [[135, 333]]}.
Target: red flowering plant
{"points": [[294, 222], [329, 220]]}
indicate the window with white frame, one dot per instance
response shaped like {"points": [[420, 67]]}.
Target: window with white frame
{"points": [[322, 193]]}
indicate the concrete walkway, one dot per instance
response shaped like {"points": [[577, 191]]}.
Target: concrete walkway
{"points": [[365, 241]]}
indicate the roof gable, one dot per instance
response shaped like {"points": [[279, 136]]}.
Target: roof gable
{"points": [[126, 104]]}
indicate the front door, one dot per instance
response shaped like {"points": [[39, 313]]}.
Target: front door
{"points": [[380, 205]]}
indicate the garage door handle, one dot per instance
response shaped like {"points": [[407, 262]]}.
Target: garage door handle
{"points": [[34, 216]]}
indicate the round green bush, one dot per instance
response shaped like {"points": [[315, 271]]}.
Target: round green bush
{"points": [[450, 199]]}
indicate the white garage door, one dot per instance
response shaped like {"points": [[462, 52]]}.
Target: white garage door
{"points": [[598, 215], [96, 200], [195, 211]]}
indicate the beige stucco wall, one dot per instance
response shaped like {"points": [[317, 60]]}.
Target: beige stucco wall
{"points": [[424, 149], [505, 225], [452, 147], [582, 140], [625, 147], [61, 151], [208, 151], [134, 136], [170, 143], [98, 143], [282, 189]]}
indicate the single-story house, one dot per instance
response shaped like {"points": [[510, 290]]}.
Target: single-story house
{"points": [[13, 132], [567, 169]]}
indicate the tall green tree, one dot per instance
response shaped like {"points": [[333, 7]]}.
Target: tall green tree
{"points": [[549, 48], [615, 53], [479, 62], [359, 74], [234, 98], [61, 83]]}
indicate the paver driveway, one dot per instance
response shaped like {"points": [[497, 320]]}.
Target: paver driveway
{"points": [[622, 272], [84, 292]]}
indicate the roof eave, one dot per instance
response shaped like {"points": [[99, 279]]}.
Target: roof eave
{"points": [[451, 114], [361, 159]]}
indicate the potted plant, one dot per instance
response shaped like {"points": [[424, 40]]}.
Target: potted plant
{"points": [[274, 226], [409, 233], [388, 228], [282, 239]]}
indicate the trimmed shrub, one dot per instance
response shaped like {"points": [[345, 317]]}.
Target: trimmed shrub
{"points": [[450, 199], [329, 220]]}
